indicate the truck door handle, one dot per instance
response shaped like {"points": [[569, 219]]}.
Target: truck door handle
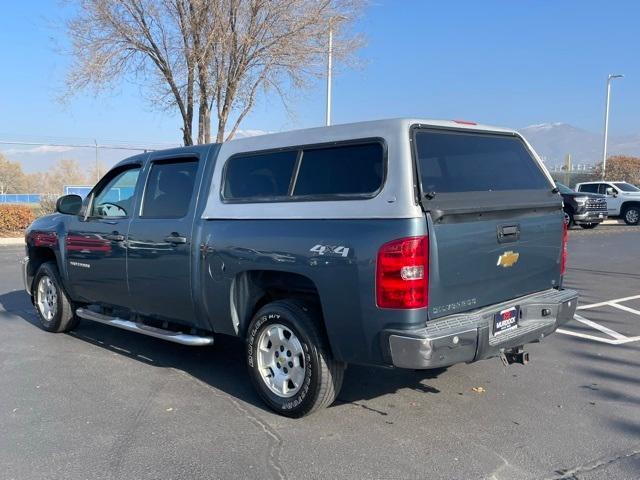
{"points": [[175, 239], [115, 236], [508, 233]]}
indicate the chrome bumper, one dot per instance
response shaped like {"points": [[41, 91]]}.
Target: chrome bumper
{"points": [[469, 337], [26, 278], [591, 216]]}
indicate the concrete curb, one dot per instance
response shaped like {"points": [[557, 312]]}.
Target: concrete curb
{"points": [[12, 241]]}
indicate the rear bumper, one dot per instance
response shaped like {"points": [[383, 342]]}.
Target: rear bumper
{"points": [[590, 217], [469, 337]]}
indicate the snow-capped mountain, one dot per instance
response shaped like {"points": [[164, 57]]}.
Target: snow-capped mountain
{"points": [[553, 141]]}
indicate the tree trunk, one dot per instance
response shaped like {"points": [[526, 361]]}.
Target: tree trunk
{"points": [[186, 133]]}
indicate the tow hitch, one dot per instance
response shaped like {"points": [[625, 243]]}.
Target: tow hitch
{"points": [[514, 355]]}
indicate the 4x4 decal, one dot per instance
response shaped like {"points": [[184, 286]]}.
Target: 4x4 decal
{"points": [[330, 250]]}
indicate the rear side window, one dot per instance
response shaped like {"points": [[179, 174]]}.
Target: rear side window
{"points": [[169, 189], [347, 170], [266, 175], [306, 173], [470, 162]]}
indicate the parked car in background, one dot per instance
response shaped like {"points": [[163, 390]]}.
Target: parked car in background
{"points": [[584, 209], [399, 243], [623, 199]]}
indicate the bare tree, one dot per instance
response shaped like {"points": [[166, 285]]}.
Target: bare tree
{"points": [[12, 178], [207, 55]]}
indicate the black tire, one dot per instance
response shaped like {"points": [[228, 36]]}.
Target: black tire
{"points": [[55, 309], [322, 374], [631, 215], [588, 226], [571, 223]]}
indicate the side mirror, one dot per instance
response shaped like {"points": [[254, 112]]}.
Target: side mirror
{"points": [[611, 191], [69, 204]]}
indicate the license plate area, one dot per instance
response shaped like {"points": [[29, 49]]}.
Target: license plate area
{"points": [[506, 320]]}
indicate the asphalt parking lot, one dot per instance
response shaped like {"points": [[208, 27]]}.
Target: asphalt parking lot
{"points": [[103, 403]]}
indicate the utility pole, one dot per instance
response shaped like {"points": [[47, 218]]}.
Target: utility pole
{"points": [[97, 164], [606, 123], [329, 71], [330, 65]]}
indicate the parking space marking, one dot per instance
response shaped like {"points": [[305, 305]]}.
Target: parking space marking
{"points": [[616, 338], [609, 302], [625, 308]]}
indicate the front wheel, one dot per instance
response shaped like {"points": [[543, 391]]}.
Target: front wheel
{"points": [[289, 361], [588, 226], [631, 215], [54, 307]]}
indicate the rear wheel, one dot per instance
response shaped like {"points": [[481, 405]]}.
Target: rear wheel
{"points": [[289, 361], [588, 226], [631, 215], [54, 307]]}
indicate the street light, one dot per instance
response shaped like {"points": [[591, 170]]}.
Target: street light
{"points": [[330, 64], [606, 123]]}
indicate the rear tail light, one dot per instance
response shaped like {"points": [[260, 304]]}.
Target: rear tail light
{"points": [[402, 275], [564, 254]]}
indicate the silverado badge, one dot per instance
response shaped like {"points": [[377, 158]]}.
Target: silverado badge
{"points": [[508, 259]]}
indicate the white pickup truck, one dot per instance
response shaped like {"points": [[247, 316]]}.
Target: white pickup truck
{"points": [[623, 199]]}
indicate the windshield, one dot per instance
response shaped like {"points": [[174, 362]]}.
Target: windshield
{"points": [[563, 188], [627, 187], [452, 161]]}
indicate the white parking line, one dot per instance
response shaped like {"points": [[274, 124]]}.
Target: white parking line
{"points": [[625, 308], [616, 338], [608, 302]]}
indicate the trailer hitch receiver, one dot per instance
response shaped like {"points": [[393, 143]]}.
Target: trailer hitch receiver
{"points": [[514, 355]]}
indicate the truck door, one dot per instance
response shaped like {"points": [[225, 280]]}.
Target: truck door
{"points": [[95, 247], [159, 254], [613, 201]]}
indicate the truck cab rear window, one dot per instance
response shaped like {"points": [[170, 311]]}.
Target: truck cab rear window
{"points": [[312, 173], [471, 162]]}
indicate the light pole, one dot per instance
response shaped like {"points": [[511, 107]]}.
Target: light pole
{"points": [[330, 65], [606, 123]]}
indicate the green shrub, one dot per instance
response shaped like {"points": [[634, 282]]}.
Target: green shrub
{"points": [[14, 218]]}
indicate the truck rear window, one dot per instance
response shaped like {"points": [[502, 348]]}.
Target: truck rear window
{"points": [[475, 162]]}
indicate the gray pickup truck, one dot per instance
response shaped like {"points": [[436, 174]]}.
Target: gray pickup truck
{"points": [[399, 243]]}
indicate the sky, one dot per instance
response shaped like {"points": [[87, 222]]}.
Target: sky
{"points": [[507, 63]]}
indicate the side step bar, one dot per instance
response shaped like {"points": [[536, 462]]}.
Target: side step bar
{"points": [[176, 337]]}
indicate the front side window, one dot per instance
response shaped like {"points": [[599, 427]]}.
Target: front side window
{"points": [[602, 188], [476, 162], [169, 189], [116, 198], [306, 173]]}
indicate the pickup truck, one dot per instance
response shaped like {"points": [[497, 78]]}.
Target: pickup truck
{"points": [[398, 243], [623, 199], [584, 209]]}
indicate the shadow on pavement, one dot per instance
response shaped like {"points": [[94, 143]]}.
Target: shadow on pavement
{"points": [[223, 365]]}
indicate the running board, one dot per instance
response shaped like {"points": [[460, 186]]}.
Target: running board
{"points": [[176, 337]]}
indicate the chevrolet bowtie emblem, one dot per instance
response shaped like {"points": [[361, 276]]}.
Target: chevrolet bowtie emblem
{"points": [[508, 259]]}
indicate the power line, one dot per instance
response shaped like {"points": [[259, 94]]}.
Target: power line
{"points": [[78, 145]]}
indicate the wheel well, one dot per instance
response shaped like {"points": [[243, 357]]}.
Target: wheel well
{"points": [[253, 289], [626, 205], [38, 256]]}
